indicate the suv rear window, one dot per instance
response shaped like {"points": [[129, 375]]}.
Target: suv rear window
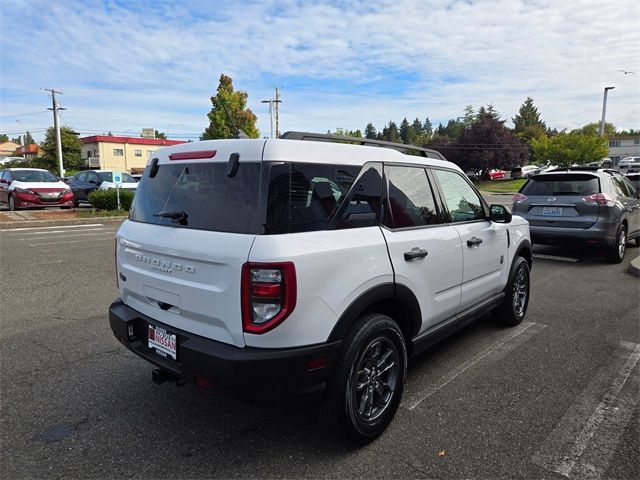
{"points": [[200, 196], [561, 184]]}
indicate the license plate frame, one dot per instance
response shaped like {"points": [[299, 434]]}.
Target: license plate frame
{"points": [[552, 211], [163, 342]]}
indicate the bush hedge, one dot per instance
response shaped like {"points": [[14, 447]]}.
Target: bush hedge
{"points": [[107, 199]]}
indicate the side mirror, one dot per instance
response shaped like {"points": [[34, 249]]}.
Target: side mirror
{"points": [[500, 214]]}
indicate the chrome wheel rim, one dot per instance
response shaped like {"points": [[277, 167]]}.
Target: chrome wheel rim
{"points": [[375, 379], [622, 243], [520, 291]]}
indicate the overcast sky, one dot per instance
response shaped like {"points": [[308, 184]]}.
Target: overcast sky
{"points": [[125, 65]]}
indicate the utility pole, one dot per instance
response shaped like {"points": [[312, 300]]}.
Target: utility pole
{"points": [[56, 126], [277, 101]]}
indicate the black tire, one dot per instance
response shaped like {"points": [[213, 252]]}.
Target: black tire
{"points": [[366, 385], [514, 307], [12, 203], [615, 253]]}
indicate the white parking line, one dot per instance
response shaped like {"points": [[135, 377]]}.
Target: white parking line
{"points": [[110, 237], [563, 451], [556, 257], [68, 232], [517, 336], [50, 228]]}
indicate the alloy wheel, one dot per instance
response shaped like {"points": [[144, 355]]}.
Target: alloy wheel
{"points": [[375, 379], [622, 243], [520, 292]]}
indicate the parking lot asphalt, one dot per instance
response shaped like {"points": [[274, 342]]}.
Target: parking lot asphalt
{"points": [[555, 397]]}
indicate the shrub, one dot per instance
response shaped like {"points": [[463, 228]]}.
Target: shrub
{"points": [[107, 199]]}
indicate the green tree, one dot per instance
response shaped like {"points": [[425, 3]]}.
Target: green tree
{"points": [[370, 131], [71, 150], [407, 135], [469, 116], [593, 128], [566, 149], [390, 133], [220, 124], [527, 123], [28, 139], [3, 138], [160, 135]]}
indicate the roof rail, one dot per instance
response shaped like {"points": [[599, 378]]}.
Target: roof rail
{"points": [[327, 137], [611, 171]]}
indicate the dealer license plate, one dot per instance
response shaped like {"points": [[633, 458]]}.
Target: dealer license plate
{"points": [[163, 342], [552, 211]]}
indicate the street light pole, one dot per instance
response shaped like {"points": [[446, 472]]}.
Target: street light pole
{"points": [[270, 102], [604, 109]]}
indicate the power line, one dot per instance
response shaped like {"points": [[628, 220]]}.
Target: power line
{"points": [[24, 114]]}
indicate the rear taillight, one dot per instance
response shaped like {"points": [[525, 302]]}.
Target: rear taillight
{"points": [[518, 197], [268, 295], [599, 199]]}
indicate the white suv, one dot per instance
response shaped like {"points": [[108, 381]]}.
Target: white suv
{"points": [[299, 268]]}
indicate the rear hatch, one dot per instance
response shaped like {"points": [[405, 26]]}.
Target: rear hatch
{"points": [[190, 230], [557, 200]]}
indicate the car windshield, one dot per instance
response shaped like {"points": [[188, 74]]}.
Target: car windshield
{"points": [[551, 184], [33, 176], [108, 177]]}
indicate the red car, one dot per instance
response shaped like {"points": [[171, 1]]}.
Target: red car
{"points": [[496, 174], [33, 188]]}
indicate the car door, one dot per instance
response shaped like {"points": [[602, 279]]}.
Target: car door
{"points": [[425, 252], [92, 183], [4, 186], [76, 185], [627, 196], [484, 243]]}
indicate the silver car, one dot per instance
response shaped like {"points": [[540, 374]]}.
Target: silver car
{"points": [[584, 206]]}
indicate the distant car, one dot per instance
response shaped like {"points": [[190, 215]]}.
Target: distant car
{"points": [[83, 183], [524, 172], [136, 176], [496, 174], [628, 161], [33, 188], [585, 206], [9, 161], [471, 175]]}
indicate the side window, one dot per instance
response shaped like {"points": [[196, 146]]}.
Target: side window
{"points": [[81, 177], [362, 206], [304, 197], [92, 177], [630, 186], [411, 199], [462, 201]]}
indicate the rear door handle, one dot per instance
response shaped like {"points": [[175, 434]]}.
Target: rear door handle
{"points": [[474, 242], [414, 253]]}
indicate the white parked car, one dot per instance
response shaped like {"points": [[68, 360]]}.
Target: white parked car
{"points": [[310, 270], [627, 162], [128, 182]]}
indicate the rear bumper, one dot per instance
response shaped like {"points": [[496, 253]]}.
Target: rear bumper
{"points": [[277, 376], [600, 234]]}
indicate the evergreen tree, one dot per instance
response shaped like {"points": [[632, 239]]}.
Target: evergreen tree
{"points": [[405, 134], [370, 131], [160, 135], [469, 116], [527, 123], [427, 127], [3, 138], [221, 124], [28, 139]]}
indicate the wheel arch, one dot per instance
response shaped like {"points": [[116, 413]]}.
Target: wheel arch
{"points": [[524, 250], [394, 300]]}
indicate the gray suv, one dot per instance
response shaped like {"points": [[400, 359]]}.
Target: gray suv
{"points": [[584, 206]]}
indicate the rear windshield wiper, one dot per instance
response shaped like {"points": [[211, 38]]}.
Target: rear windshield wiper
{"points": [[177, 215]]}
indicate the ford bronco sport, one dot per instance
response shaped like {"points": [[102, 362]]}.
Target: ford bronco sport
{"points": [[305, 268]]}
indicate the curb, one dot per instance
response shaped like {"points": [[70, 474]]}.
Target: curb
{"points": [[634, 267], [60, 222]]}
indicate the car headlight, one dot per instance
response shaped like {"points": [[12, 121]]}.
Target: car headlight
{"points": [[24, 190]]}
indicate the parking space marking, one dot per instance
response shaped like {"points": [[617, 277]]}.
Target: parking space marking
{"points": [[517, 336], [110, 237], [67, 232], [579, 448], [555, 257], [54, 227]]}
